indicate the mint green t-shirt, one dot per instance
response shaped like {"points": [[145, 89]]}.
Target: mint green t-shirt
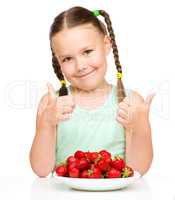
{"points": [[91, 130]]}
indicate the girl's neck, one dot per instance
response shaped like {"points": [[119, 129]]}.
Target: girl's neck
{"points": [[101, 90]]}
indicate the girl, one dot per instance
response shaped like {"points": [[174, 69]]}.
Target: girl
{"points": [[90, 114]]}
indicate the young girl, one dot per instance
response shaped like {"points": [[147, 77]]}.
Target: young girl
{"points": [[90, 114]]}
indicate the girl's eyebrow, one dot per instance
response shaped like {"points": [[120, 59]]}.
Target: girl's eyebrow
{"points": [[63, 56], [84, 48]]}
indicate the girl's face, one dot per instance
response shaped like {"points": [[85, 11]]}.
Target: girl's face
{"points": [[81, 52]]}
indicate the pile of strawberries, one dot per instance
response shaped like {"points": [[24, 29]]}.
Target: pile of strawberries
{"points": [[94, 165]]}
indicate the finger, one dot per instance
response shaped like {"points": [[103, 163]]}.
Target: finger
{"points": [[63, 105], [149, 98], [65, 117], [123, 114], [127, 101], [71, 100], [68, 100], [123, 106], [122, 121], [51, 94], [67, 109]]}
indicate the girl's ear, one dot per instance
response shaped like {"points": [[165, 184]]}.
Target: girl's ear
{"points": [[107, 43]]}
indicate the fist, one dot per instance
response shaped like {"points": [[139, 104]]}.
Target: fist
{"points": [[133, 110], [57, 108]]}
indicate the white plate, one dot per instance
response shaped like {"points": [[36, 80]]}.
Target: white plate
{"points": [[98, 184]]}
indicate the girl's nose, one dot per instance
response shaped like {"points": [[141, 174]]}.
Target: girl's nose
{"points": [[80, 65]]}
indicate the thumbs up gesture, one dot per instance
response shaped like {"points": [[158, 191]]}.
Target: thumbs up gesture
{"points": [[133, 110], [57, 108]]}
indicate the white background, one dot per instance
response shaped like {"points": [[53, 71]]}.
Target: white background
{"points": [[145, 36]]}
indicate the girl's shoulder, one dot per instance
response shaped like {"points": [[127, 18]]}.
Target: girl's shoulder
{"points": [[134, 96], [131, 94]]}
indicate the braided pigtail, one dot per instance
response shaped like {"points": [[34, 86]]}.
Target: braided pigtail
{"points": [[57, 69], [120, 87]]}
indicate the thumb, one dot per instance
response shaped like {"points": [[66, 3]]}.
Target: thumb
{"points": [[149, 98], [51, 94]]}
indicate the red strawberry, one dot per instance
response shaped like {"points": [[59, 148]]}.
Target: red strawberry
{"points": [[73, 165], [108, 160], [79, 154], [94, 173], [105, 154], [61, 170], [127, 172], [93, 156], [83, 164], [103, 165], [118, 163], [86, 153], [113, 173], [74, 172], [93, 165], [71, 159], [84, 174]]}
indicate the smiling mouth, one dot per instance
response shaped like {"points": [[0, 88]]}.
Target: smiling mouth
{"points": [[86, 74]]}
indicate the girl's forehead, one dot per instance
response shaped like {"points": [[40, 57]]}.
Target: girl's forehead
{"points": [[84, 35]]}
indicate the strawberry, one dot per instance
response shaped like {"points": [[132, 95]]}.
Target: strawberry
{"points": [[93, 165], [74, 172], [72, 162], [113, 173], [118, 163], [93, 156], [84, 174], [108, 160], [102, 165], [71, 159], [105, 154], [94, 173], [79, 154], [61, 170], [86, 153], [73, 165], [83, 164], [127, 172]]}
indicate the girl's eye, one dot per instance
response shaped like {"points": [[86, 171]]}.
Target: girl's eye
{"points": [[88, 51], [66, 59]]}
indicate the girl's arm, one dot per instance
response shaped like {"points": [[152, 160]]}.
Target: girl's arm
{"points": [[133, 114], [42, 153], [51, 111], [139, 150]]}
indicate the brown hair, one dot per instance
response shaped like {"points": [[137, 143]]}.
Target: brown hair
{"points": [[78, 16]]}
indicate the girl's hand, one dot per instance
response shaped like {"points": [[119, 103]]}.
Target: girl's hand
{"points": [[133, 110], [57, 108]]}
